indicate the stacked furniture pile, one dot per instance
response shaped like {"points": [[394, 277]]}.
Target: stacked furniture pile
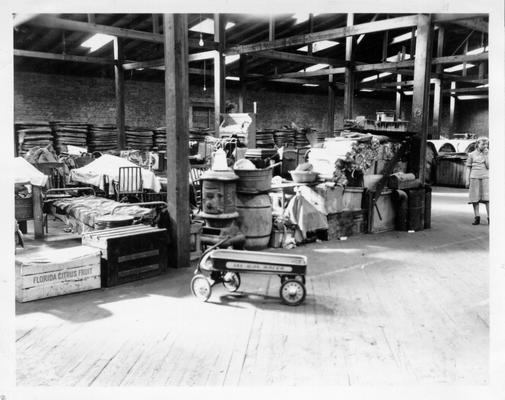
{"points": [[160, 138], [199, 135], [320, 137], [102, 137], [32, 134], [265, 139], [284, 137], [301, 139], [69, 133], [139, 138]]}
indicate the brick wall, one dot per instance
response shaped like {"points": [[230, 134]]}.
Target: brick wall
{"points": [[53, 97], [472, 116], [58, 97]]}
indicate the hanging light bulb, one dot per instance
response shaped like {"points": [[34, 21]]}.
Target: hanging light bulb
{"points": [[200, 43]]}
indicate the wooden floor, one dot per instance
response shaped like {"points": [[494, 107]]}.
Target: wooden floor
{"points": [[394, 308]]}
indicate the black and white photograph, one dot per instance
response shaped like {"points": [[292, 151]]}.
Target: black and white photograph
{"points": [[211, 197]]}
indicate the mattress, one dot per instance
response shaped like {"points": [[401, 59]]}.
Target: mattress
{"points": [[86, 209]]}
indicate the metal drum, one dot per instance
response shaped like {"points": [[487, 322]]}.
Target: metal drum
{"points": [[415, 219]]}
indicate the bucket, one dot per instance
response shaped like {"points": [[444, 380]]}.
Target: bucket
{"points": [[255, 220], [253, 180], [415, 218]]}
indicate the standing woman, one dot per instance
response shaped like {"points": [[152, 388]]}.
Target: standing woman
{"points": [[477, 177]]}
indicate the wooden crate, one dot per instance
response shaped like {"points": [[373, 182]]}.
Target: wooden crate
{"points": [[352, 198], [451, 170], [381, 218], [23, 208], [195, 244], [57, 272], [129, 253], [340, 224]]}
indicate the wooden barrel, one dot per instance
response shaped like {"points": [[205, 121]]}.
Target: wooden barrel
{"points": [[415, 218], [255, 220]]}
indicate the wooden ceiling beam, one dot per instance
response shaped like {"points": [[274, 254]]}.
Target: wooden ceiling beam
{"points": [[48, 21], [301, 58], [62, 57], [387, 66], [466, 90], [323, 72], [478, 25], [393, 66], [204, 55], [20, 19], [300, 40], [471, 21]]}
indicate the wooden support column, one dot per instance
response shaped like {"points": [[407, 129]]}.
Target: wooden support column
{"points": [[398, 105], [452, 107], [331, 106], [413, 42], [420, 101], [38, 215], [271, 28], [219, 70], [399, 91], [437, 96], [243, 83], [349, 72], [156, 24], [175, 32], [119, 88], [481, 65], [385, 46], [463, 72], [310, 46]]}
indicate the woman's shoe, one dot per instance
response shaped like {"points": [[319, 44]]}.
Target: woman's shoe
{"points": [[476, 221]]}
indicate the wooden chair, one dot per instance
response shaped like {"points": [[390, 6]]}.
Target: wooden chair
{"points": [[55, 173], [56, 180], [195, 173], [129, 183]]}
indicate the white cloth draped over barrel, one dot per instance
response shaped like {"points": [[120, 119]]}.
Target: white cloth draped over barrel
{"points": [[108, 165]]}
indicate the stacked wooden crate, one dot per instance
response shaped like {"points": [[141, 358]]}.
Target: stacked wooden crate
{"points": [[56, 272], [129, 253]]}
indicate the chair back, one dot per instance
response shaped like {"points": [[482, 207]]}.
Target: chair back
{"points": [[195, 172], [130, 180], [55, 173]]}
